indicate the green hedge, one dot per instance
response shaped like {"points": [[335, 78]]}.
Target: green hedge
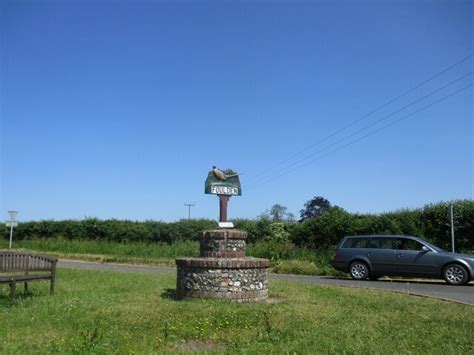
{"points": [[430, 222], [114, 230]]}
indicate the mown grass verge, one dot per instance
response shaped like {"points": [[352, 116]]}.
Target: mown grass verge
{"points": [[285, 258], [161, 254], [107, 312]]}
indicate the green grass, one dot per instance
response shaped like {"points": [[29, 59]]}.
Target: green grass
{"points": [[285, 258], [106, 312], [92, 250], [303, 267]]}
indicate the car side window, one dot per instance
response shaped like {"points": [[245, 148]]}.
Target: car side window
{"points": [[381, 243], [408, 244], [356, 243]]}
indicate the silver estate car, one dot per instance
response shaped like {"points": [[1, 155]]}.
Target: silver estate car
{"points": [[372, 256]]}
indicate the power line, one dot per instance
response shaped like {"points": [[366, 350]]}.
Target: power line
{"points": [[362, 129], [367, 135], [363, 117], [271, 178]]}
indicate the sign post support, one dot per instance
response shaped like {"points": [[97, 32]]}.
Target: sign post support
{"points": [[223, 201]]}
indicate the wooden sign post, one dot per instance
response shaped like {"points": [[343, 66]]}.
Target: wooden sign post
{"points": [[223, 201]]}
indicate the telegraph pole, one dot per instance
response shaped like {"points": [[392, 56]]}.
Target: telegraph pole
{"points": [[189, 209]]}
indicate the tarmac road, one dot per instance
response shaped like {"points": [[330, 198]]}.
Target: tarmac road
{"points": [[434, 289]]}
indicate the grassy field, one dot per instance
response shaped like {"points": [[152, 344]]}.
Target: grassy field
{"points": [[133, 252], [285, 259], [105, 312]]}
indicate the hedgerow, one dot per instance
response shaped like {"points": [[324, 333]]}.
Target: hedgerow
{"points": [[430, 222], [114, 230]]}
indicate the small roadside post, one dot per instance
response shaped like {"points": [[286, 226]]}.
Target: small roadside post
{"points": [[451, 207], [11, 223]]}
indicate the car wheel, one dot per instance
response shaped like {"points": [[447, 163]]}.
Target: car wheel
{"points": [[359, 270], [455, 274]]}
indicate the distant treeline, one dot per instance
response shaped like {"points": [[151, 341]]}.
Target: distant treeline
{"points": [[431, 222]]}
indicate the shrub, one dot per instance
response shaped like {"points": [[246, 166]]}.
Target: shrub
{"points": [[277, 233], [257, 229], [325, 230], [271, 250]]}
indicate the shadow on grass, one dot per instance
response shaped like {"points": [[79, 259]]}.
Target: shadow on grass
{"points": [[170, 293], [6, 300]]}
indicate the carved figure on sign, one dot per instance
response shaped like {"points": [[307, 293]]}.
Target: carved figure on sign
{"points": [[223, 175]]}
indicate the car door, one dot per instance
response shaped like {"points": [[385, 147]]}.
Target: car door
{"points": [[412, 260], [381, 255]]}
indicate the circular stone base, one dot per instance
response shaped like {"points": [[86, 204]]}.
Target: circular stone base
{"points": [[237, 279]]}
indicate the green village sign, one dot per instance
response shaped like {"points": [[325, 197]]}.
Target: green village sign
{"points": [[223, 183]]}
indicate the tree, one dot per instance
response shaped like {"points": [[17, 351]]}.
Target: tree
{"points": [[278, 213], [314, 208]]}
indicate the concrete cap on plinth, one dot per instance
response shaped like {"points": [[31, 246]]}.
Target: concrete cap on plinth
{"points": [[224, 234], [226, 225], [223, 263]]}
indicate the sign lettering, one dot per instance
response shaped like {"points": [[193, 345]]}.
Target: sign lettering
{"points": [[224, 190]]}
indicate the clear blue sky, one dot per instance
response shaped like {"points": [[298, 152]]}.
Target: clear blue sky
{"points": [[118, 109]]}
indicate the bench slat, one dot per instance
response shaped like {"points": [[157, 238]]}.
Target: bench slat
{"points": [[23, 270], [17, 261], [21, 278], [29, 268]]}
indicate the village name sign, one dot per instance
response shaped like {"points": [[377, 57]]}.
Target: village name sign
{"points": [[224, 184]]}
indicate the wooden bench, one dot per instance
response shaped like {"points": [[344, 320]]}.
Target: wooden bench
{"points": [[23, 267]]}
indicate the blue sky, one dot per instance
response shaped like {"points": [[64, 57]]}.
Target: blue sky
{"points": [[118, 109]]}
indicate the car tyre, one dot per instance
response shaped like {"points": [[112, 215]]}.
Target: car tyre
{"points": [[455, 274], [359, 270]]}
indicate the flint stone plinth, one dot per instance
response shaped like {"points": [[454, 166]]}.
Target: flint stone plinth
{"points": [[223, 243], [223, 271]]}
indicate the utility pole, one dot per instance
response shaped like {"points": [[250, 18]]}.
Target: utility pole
{"points": [[189, 209], [452, 226]]}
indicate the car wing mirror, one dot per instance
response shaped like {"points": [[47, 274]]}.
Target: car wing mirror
{"points": [[425, 249]]}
